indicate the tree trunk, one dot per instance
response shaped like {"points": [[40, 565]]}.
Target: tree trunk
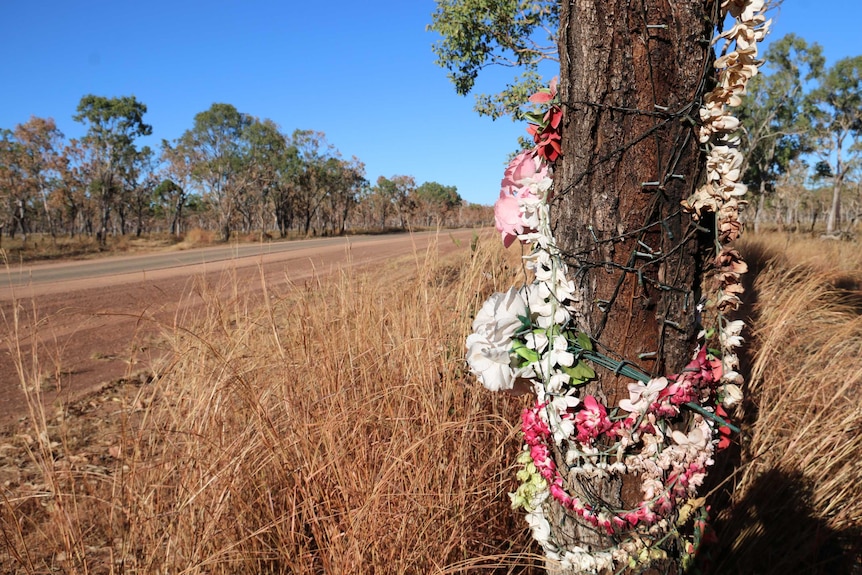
{"points": [[833, 220], [632, 77], [761, 206]]}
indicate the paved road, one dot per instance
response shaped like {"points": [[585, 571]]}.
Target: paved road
{"points": [[91, 322], [135, 268]]}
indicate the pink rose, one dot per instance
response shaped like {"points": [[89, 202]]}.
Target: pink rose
{"points": [[507, 218], [522, 166]]}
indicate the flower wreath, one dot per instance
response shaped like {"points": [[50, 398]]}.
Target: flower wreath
{"points": [[668, 428]]}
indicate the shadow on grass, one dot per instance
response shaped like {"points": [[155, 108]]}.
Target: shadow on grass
{"points": [[773, 529], [781, 534]]}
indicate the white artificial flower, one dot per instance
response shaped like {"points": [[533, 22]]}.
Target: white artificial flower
{"points": [[496, 323], [642, 395], [731, 394], [537, 341], [500, 316], [539, 525], [730, 334], [491, 362], [558, 354], [558, 381], [694, 439]]}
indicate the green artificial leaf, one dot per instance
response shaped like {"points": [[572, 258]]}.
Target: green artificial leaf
{"points": [[584, 342], [523, 351], [580, 373]]}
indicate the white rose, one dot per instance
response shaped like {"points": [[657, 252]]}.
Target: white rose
{"points": [[490, 361], [498, 319]]}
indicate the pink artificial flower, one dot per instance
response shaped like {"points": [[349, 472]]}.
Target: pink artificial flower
{"points": [[558, 493], [507, 218], [542, 97], [709, 370], [679, 391], [592, 420], [521, 167]]}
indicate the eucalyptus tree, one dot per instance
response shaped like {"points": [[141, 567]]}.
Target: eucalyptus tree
{"points": [[274, 167], [139, 184], [515, 34], [73, 198], [775, 128], [41, 161], [437, 201], [12, 185], [320, 169], [835, 112], [171, 199], [113, 125], [393, 196], [215, 147], [347, 187], [172, 193], [632, 80], [381, 200]]}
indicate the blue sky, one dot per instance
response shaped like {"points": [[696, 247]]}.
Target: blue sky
{"points": [[361, 71]]}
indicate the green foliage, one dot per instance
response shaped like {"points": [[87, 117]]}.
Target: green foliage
{"points": [[835, 112], [580, 373], [113, 123], [167, 189], [216, 142], [214, 149], [516, 34], [776, 129], [436, 194], [835, 107]]}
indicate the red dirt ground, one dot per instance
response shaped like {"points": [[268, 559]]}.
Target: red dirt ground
{"points": [[92, 332]]}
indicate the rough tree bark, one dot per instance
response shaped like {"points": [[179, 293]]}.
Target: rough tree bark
{"points": [[632, 77]]}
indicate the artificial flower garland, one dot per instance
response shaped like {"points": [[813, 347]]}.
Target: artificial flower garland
{"points": [[527, 335]]}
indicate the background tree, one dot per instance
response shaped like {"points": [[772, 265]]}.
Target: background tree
{"points": [[113, 124], [139, 184], [775, 127], [171, 198], [267, 155], [403, 193], [41, 162], [74, 199], [382, 200], [175, 187], [517, 34], [13, 186], [835, 112], [214, 147], [347, 188], [437, 201], [321, 167]]}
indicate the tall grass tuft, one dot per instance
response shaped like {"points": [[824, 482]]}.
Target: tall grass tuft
{"points": [[797, 502], [327, 429]]}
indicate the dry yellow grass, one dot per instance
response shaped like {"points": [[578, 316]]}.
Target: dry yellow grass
{"points": [[797, 502], [328, 429], [332, 429]]}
